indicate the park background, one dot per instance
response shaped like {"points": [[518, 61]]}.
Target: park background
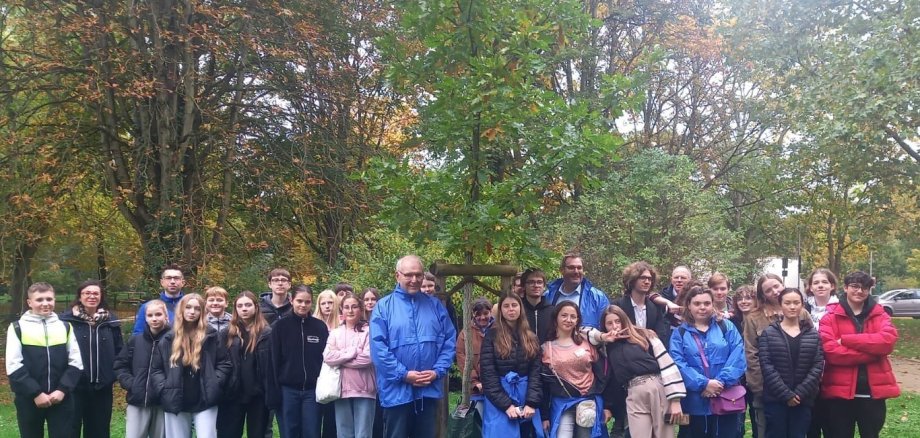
{"points": [[330, 137]]}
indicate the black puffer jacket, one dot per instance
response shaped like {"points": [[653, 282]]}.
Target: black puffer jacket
{"points": [[539, 317], [493, 368], [785, 376], [252, 372], [132, 368], [99, 344], [215, 368]]}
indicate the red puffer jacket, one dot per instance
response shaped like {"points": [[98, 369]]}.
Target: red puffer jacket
{"points": [[870, 348]]}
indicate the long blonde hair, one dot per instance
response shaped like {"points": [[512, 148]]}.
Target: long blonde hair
{"points": [[636, 335], [189, 337], [237, 324], [332, 321]]}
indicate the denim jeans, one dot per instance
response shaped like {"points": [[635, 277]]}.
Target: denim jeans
{"points": [[354, 417], [299, 414], [411, 420], [784, 421]]}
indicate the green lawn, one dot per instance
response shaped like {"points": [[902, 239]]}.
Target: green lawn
{"points": [[908, 338]]}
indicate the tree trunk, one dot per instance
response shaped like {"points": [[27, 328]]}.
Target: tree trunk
{"points": [[22, 276]]}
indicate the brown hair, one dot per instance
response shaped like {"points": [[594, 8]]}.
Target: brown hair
{"points": [[637, 335], [576, 334], [691, 291], [102, 303], [567, 256], [633, 271], [505, 332], [237, 324], [279, 272], [827, 273], [761, 298], [718, 278]]}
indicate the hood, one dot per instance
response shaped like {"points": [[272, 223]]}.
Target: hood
{"points": [[150, 336], [544, 303], [33, 318], [556, 284], [267, 298], [223, 318]]}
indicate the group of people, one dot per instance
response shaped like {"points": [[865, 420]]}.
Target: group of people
{"points": [[554, 358]]}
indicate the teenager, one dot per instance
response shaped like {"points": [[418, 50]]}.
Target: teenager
{"points": [[248, 338], [537, 308], [857, 336], [369, 296], [216, 299], [145, 417], [638, 361], [767, 311], [190, 371], [710, 355], [821, 291], [276, 303], [349, 349], [98, 333], [743, 302], [482, 321], [510, 365], [327, 310], [43, 364], [719, 284], [792, 361], [572, 378], [298, 341]]}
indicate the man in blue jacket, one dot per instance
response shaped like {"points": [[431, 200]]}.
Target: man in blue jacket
{"points": [[574, 287], [412, 345], [172, 281]]}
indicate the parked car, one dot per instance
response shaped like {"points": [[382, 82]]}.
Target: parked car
{"points": [[902, 303]]}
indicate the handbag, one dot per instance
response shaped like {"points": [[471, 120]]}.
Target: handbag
{"points": [[464, 422], [731, 400], [585, 410], [328, 384]]}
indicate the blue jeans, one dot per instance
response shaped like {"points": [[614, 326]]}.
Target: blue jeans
{"points": [[354, 417], [712, 426], [411, 420], [299, 414], [784, 421]]}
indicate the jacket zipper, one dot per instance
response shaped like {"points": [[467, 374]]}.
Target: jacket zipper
{"points": [[93, 330], [48, 352], [303, 355], [153, 349], [789, 355]]}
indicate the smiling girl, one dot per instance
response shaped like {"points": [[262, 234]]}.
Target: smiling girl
{"points": [[190, 372], [348, 347]]}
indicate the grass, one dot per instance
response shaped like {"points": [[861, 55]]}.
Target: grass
{"points": [[908, 338], [903, 419]]}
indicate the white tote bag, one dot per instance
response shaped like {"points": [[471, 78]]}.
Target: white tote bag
{"points": [[328, 384]]}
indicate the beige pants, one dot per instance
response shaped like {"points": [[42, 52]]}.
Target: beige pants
{"points": [[645, 409]]}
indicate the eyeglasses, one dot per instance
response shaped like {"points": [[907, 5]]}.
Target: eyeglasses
{"points": [[535, 282], [645, 278], [172, 278], [857, 286], [90, 294], [280, 280], [418, 275]]}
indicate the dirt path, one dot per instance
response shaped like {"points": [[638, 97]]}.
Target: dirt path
{"points": [[905, 370]]}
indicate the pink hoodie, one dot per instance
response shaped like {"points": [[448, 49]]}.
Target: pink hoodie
{"points": [[351, 351]]}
